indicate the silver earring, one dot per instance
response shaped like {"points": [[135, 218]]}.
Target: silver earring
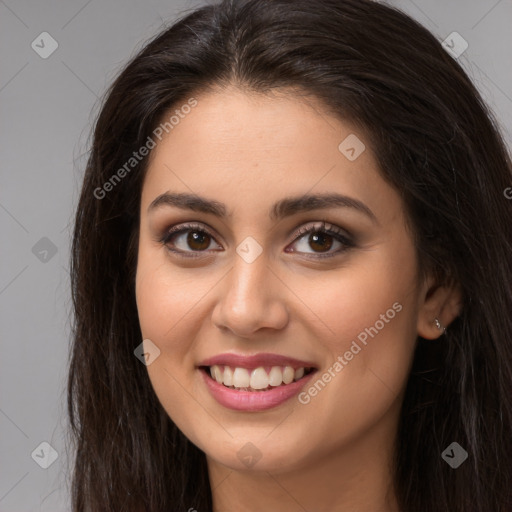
{"points": [[439, 326]]}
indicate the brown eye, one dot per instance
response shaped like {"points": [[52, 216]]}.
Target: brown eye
{"points": [[198, 240], [186, 240], [322, 237], [320, 241], [192, 240]]}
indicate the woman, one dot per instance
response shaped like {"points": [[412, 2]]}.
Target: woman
{"points": [[291, 272]]}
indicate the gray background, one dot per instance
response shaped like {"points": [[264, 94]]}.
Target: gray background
{"points": [[46, 109]]}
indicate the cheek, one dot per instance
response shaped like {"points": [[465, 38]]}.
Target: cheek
{"points": [[166, 298], [170, 302], [165, 303], [355, 302], [347, 306], [371, 313]]}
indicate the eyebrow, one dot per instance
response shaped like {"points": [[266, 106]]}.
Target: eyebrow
{"points": [[283, 208]]}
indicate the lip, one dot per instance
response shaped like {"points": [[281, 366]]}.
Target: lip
{"points": [[256, 360], [252, 401]]}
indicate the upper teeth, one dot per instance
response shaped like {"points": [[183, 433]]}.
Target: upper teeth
{"points": [[257, 378]]}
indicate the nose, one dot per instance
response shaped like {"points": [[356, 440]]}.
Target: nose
{"points": [[251, 297]]}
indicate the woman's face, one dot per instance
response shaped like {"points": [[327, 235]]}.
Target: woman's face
{"points": [[244, 289]]}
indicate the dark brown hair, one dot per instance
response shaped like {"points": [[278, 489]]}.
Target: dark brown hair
{"points": [[436, 143]]}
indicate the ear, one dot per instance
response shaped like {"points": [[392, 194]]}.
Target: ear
{"points": [[441, 301]]}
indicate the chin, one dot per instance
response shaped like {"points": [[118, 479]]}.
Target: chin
{"points": [[255, 454]]}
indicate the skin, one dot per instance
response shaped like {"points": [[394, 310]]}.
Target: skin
{"points": [[249, 151]]}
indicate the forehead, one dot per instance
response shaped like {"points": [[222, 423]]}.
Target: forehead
{"points": [[248, 150]]}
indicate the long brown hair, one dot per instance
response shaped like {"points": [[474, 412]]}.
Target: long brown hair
{"points": [[436, 143]]}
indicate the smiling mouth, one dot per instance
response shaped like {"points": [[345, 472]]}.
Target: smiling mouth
{"points": [[258, 379]]}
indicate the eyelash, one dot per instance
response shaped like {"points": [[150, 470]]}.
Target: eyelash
{"points": [[321, 227]]}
